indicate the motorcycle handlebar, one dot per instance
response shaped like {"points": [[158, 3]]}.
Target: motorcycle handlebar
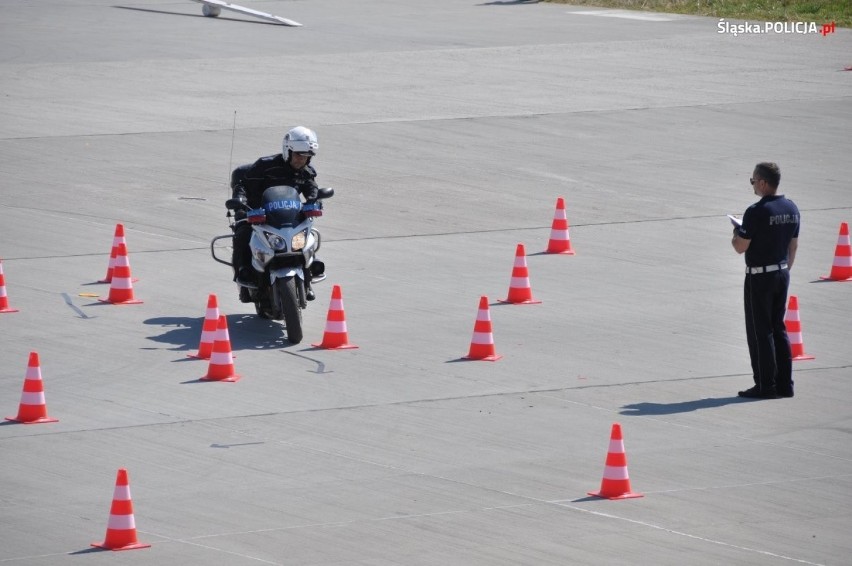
{"points": [[240, 204], [236, 204]]}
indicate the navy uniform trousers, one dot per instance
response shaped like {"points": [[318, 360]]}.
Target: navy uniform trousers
{"points": [[765, 302]]}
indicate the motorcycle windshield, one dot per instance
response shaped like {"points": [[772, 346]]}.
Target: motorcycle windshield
{"points": [[282, 206]]}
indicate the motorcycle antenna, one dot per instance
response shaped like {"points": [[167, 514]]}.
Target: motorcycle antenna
{"points": [[231, 158], [231, 162]]}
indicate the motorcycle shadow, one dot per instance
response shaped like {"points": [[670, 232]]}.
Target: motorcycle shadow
{"points": [[182, 331], [245, 332], [250, 332]]}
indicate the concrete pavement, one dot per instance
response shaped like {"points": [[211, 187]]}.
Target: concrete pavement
{"points": [[448, 130]]}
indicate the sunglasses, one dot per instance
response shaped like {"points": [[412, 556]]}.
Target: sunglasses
{"points": [[753, 181]]}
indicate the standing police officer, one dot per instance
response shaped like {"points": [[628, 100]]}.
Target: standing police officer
{"points": [[768, 236]]}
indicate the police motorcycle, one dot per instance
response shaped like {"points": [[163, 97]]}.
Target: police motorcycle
{"points": [[283, 246]]}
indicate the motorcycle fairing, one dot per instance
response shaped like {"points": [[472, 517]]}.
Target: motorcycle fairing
{"points": [[282, 205]]}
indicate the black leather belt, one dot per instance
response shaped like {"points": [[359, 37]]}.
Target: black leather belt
{"points": [[765, 268]]}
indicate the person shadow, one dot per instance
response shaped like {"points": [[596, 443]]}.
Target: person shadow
{"points": [[647, 408]]}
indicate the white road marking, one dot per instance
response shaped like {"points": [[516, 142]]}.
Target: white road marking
{"points": [[628, 15]]}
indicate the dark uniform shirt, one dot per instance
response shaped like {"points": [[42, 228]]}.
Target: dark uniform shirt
{"points": [[770, 224], [250, 181]]}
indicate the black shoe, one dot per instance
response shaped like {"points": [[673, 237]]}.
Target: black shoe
{"points": [[309, 294], [785, 389], [757, 393], [245, 296]]}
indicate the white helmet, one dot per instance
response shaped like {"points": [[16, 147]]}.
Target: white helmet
{"points": [[300, 140]]}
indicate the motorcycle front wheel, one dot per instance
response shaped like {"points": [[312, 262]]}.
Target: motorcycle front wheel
{"points": [[287, 296]]}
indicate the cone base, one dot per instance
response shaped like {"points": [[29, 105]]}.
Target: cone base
{"points": [[803, 357], [568, 251], [36, 421], [491, 358], [340, 347], [127, 302], [526, 302], [130, 546], [230, 378], [628, 495], [9, 310], [830, 278]]}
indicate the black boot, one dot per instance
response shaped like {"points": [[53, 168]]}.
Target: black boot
{"points": [[757, 392], [246, 278]]}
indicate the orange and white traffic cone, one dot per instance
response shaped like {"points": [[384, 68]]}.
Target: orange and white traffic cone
{"points": [[335, 336], [560, 241], [121, 527], [208, 331], [33, 408], [118, 238], [482, 342], [841, 267], [520, 292], [794, 330], [121, 287], [221, 366], [4, 300], [616, 482]]}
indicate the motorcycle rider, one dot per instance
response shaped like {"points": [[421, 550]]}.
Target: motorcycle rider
{"points": [[291, 167]]}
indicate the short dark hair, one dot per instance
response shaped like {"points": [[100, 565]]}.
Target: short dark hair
{"points": [[769, 172]]}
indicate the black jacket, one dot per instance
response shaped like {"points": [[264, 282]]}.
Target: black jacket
{"points": [[249, 181]]}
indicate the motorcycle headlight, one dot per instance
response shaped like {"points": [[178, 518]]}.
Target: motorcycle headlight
{"points": [[276, 242], [298, 242]]}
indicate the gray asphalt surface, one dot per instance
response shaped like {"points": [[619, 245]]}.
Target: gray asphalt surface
{"points": [[448, 128]]}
